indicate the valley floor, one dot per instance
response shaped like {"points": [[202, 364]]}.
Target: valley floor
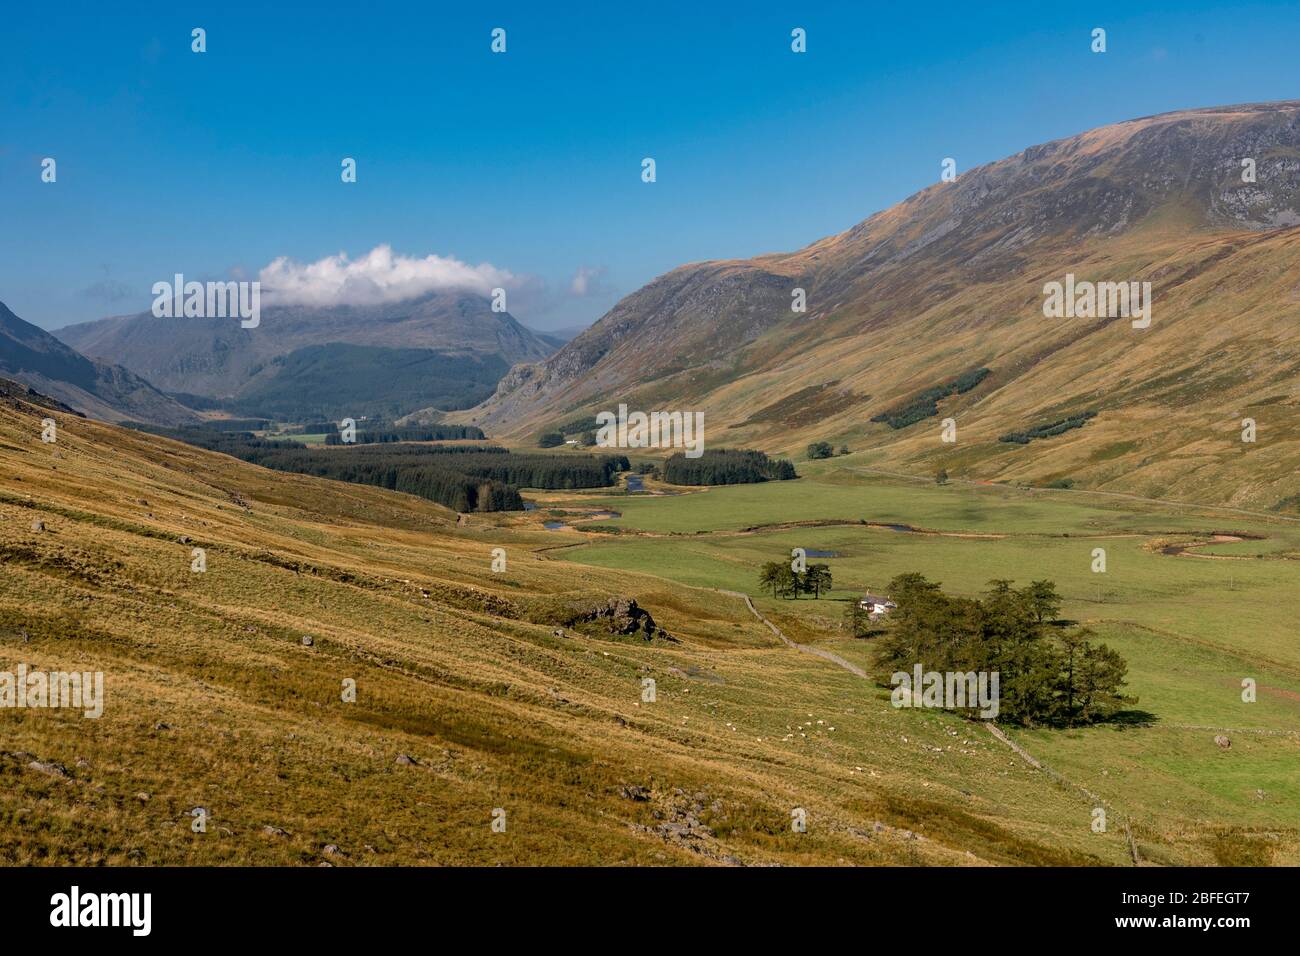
{"points": [[1195, 599]]}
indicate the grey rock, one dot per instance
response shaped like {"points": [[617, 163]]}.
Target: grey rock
{"points": [[48, 767]]}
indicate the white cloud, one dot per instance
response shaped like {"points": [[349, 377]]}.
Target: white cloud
{"points": [[587, 281], [378, 276]]}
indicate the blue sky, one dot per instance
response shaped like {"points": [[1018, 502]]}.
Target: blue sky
{"points": [[171, 161]]}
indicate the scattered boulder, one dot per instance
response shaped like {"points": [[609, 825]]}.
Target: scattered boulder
{"points": [[142, 797], [332, 850], [406, 760], [184, 539], [635, 792], [38, 525], [48, 767], [307, 640], [624, 616], [1222, 741], [274, 831], [682, 824]]}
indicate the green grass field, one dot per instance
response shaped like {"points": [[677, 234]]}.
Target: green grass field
{"points": [[1190, 628], [314, 439]]}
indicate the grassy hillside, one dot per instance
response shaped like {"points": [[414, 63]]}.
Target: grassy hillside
{"points": [[952, 279], [214, 701]]}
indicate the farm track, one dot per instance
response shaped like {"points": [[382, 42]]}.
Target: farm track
{"points": [[815, 651]]}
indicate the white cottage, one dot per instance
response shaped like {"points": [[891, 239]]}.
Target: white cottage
{"points": [[875, 605]]}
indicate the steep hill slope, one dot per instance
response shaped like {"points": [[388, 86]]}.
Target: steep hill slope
{"points": [[218, 358], [953, 280], [36, 358]]}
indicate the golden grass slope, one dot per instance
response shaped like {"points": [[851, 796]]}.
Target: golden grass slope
{"points": [[214, 702], [952, 279]]}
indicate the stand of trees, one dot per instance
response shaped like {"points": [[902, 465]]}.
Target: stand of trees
{"points": [[547, 471], [587, 423], [781, 580], [726, 466], [925, 404], [463, 477], [1048, 429], [1048, 676]]}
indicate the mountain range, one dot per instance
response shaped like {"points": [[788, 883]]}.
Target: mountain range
{"points": [[923, 323], [1203, 204], [447, 347]]}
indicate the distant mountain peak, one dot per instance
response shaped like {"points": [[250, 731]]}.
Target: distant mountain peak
{"points": [[216, 358]]}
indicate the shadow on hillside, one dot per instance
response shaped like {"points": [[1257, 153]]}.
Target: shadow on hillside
{"points": [[1131, 718]]}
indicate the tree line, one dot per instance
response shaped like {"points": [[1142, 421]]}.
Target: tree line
{"points": [[1048, 429], [926, 404], [726, 466], [463, 477]]}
